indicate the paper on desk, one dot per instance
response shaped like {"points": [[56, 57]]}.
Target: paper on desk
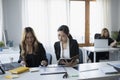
{"points": [[108, 70], [114, 65], [34, 69], [51, 70], [11, 76]]}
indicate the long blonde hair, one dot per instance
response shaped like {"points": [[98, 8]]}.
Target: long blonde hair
{"points": [[103, 33], [23, 41]]}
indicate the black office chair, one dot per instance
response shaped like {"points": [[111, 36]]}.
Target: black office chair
{"points": [[97, 36], [49, 57], [80, 56]]}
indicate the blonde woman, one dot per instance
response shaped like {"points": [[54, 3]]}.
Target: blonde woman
{"points": [[105, 35], [104, 55], [32, 52]]}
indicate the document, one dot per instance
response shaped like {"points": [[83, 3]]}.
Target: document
{"points": [[52, 70], [108, 70], [35, 69], [114, 65]]}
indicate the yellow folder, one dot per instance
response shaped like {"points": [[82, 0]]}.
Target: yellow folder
{"points": [[19, 70]]}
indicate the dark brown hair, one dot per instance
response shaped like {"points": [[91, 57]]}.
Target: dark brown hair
{"points": [[65, 29]]}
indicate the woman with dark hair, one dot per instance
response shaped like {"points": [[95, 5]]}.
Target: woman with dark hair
{"points": [[32, 52], [66, 47]]}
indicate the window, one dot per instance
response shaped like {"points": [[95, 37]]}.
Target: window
{"points": [[82, 17], [85, 17], [77, 20]]}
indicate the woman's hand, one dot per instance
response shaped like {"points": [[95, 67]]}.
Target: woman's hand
{"points": [[61, 62], [23, 63], [113, 43], [44, 63], [71, 63]]}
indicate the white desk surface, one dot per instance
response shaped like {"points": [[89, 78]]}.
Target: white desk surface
{"points": [[94, 50], [82, 73], [37, 76], [92, 71]]}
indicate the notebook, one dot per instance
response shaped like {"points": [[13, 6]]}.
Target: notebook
{"points": [[101, 43], [19, 70], [74, 58]]}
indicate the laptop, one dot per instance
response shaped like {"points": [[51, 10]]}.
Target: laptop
{"points": [[101, 43], [9, 66]]}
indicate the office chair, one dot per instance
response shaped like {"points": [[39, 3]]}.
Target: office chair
{"points": [[81, 56], [97, 36], [49, 57]]}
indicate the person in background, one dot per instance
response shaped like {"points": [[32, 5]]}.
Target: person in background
{"points": [[66, 47], [32, 52], [104, 35]]}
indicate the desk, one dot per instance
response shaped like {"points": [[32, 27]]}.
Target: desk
{"points": [[81, 72], [37, 76], [94, 71], [94, 50]]}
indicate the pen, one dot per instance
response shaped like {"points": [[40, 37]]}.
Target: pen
{"points": [[89, 70]]}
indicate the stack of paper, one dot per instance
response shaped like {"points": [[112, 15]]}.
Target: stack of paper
{"points": [[108, 70]]}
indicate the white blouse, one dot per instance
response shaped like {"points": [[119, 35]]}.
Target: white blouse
{"points": [[65, 53]]}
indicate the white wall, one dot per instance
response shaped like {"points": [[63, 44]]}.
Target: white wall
{"points": [[13, 19], [1, 19], [114, 15], [119, 15]]}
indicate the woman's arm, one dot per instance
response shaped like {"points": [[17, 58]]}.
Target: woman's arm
{"points": [[20, 57], [113, 43], [43, 57]]}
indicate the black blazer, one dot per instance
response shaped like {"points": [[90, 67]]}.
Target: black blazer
{"points": [[34, 60], [74, 48]]}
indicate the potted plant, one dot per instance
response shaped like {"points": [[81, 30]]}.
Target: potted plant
{"points": [[1, 45]]}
